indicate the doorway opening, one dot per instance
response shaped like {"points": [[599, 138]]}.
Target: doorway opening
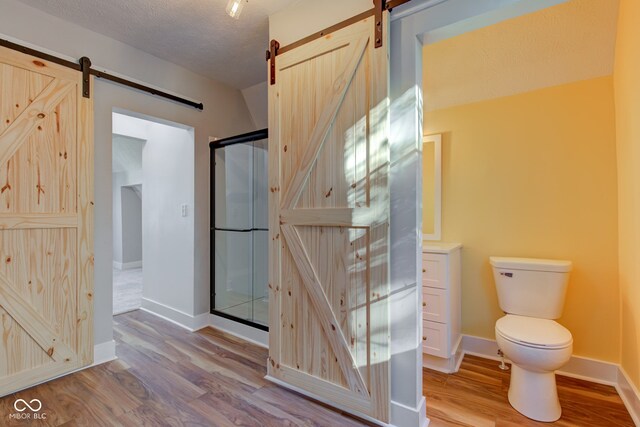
{"points": [[153, 196]]}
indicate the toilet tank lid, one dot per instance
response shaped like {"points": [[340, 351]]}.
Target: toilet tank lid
{"points": [[531, 264]]}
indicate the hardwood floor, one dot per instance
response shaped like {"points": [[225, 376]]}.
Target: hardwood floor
{"points": [[476, 396], [166, 376]]}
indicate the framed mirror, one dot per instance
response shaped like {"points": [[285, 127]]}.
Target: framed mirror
{"points": [[432, 187]]}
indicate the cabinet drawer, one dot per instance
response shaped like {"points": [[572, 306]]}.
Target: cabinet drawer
{"points": [[434, 305], [434, 340], [434, 270]]}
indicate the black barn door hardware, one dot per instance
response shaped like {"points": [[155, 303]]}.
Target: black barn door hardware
{"points": [[379, 6], [143, 88], [84, 66], [38, 54], [271, 56]]}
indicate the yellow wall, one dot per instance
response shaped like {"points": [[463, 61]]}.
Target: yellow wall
{"points": [[428, 188], [534, 175], [627, 95]]}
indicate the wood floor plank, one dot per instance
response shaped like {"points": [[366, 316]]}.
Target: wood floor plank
{"points": [[241, 411], [310, 413], [154, 413], [162, 380], [69, 397], [167, 376], [477, 395], [120, 392]]}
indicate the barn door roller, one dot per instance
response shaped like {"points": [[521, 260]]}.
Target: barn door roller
{"points": [[85, 67], [271, 56], [379, 6]]}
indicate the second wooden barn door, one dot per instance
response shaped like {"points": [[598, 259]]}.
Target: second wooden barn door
{"points": [[46, 221], [329, 221]]}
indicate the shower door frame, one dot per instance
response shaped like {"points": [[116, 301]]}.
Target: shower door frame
{"points": [[213, 146]]}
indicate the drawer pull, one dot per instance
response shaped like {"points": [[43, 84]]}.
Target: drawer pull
{"points": [[424, 270], [424, 338], [424, 304]]}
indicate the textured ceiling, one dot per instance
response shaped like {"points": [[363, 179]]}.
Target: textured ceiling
{"points": [[566, 43], [196, 34]]}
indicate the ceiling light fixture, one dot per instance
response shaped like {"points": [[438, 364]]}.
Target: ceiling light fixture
{"points": [[234, 8]]}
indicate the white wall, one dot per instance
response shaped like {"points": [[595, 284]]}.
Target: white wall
{"points": [[167, 236], [307, 17], [117, 218], [131, 214], [119, 182], [225, 114], [256, 98]]}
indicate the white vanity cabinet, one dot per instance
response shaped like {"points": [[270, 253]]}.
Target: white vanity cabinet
{"points": [[441, 301]]}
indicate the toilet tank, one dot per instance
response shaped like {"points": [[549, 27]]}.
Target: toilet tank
{"points": [[531, 287]]}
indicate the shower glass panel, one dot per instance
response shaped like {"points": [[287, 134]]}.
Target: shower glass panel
{"points": [[240, 228]]}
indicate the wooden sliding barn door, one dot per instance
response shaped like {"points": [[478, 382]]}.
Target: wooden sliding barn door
{"points": [[329, 221], [46, 221]]}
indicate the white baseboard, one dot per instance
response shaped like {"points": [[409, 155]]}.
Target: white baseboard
{"points": [[246, 332], [578, 367], [593, 370], [177, 317], [481, 347], [583, 368], [104, 352], [629, 395], [127, 265], [406, 416], [197, 322], [447, 366]]}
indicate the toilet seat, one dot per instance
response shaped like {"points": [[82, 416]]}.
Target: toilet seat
{"points": [[543, 334]]}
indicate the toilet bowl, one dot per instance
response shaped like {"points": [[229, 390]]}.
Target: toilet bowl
{"points": [[531, 292], [536, 348]]}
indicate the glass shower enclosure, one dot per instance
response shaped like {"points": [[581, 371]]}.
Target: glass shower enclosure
{"points": [[239, 228]]}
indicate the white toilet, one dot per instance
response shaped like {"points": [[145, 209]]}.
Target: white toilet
{"points": [[532, 293]]}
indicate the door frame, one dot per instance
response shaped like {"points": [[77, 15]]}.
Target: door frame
{"points": [[176, 315], [414, 24]]}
